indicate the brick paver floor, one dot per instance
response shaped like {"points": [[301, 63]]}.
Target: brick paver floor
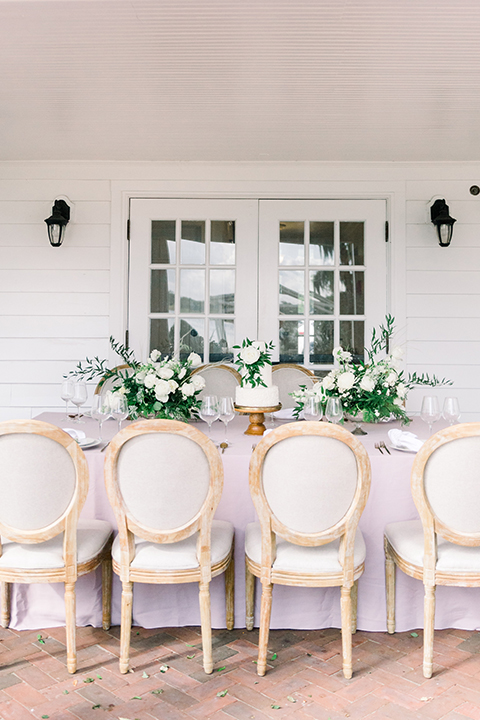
{"points": [[304, 680]]}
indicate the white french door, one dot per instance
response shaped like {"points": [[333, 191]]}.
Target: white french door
{"points": [[307, 274]]}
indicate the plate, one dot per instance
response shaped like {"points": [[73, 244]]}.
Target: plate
{"points": [[87, 443], [284, 414], [407, 450]]}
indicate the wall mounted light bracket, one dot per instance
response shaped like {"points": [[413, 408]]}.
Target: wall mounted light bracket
{"points": [[440, 217], [57, 222]]}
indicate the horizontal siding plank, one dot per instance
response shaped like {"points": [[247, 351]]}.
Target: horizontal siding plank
{"points": [[32, 212], [80, 281], [425, 190], [450, 259], [48, 189], [469, 401], [35, 371], [463, 211], [464, 236], [35, 235], [423, 282], [463, 376], [50, 348], [442, 306], [45, 303], [48, 258], [444, 329], [15, 413], [442, 353], [32, 395], [25, 326]]}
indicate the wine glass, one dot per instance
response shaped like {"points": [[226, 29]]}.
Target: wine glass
{"points": [[119, 409], [100, 411], [430, 411], [312, 410], [227, 413], [79, 398], [67, 393], [451, 410], [209, 410], [334, 410]]}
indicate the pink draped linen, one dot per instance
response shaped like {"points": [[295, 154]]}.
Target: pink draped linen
{"points": [[41, 606]]}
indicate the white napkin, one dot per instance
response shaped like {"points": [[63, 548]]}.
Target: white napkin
{"points": [[284, 414], [405, 440], [75, 434]]}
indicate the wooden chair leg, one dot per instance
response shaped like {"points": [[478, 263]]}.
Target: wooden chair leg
{"points": [[428, 629], [354, 596], [206, 621], [5, 599], [346, 608], [126, 625], [106, 592], [265, 613], [70, 627], [249, 598], [230, 593], [390, 569]]}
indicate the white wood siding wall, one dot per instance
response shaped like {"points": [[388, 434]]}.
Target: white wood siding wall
{"points": [[54, 302]]}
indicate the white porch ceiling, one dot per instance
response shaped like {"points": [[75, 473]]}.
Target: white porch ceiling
{"points": [[242, 80]]}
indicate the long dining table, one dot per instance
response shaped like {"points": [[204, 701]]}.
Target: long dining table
{"points": [[42, 606]]}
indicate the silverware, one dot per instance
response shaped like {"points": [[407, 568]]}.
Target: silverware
{"points": [[379, 447], [382, 444], [105, 446], [223, 445]]}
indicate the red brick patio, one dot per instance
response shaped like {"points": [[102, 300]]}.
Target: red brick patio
{"points": [[304, 680]]}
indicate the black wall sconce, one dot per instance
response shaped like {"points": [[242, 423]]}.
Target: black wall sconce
{"points": [[57, 222], [440, 217]]}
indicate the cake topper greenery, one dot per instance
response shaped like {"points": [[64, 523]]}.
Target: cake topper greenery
{"points": [[253, 356], [375, 389]]}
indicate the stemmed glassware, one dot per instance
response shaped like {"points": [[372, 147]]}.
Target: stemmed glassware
{"points": [[119, 409], [67, 393], [312, 409], [100, 412], [334, 410], [79, 398], [430, 411], [226, 414], [451, 410], [209, 410]]}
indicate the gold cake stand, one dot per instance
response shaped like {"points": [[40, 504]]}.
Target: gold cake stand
{"points": [[257, 417]]}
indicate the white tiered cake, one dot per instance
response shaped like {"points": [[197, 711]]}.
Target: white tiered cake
{"points": [[260, 396]]}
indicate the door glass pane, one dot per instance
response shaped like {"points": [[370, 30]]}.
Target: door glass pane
{"points": [[352, 292], [191, 337], [321, 243], [221, 340], [222, 291], [321, 341], [163, 241], [162, 292], [222, 247], [352, 243], [292, 292], [321, 292], [162, 335], [291, 341], [352, 333], [193, 242], [192, 291], [292, 243]]}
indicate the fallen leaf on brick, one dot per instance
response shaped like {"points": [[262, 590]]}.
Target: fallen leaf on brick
{"points": [[222, 693], [290, 698], [157, 692], [426, 699], [190, 657], [144, 675], [163, 668], [276, 707], [414, 634]]}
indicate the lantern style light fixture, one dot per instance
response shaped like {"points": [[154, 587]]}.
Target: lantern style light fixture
{"points": [[440, 217], [57, 222]]}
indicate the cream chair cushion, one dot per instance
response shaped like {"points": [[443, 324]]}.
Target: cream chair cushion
{"points": [[301, 559], [92, 536], [407, 540], [181, 555]]}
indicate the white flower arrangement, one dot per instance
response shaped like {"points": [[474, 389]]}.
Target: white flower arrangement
{"points": [[376, 389], [253, 356]]}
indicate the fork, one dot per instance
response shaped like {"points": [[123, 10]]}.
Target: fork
{"points": [[378, 446], [382, 445]]}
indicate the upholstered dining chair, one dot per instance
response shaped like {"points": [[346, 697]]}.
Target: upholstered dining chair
{"points": [[309, 483], [164, 480], [112, 382], [288, 378], [220, 380], [43, 487], [443, 547]]}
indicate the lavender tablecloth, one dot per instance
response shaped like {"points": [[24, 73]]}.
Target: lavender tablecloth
{"points": [[42, 606]]}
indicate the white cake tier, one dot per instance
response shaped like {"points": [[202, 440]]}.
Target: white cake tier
{"points": [[257, 397]]}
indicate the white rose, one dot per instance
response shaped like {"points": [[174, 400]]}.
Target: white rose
{"points": [[172, 385], [367, 383], [328, 382], [188, 389], [150, 380], [345, 381], [165, 372], [249, 354], [391, 378], [194, 359], [154, 355], [401, 390], [398, 402], [198, 381], [182, 373], [162, 391], [140, 376], [337, 350]]}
